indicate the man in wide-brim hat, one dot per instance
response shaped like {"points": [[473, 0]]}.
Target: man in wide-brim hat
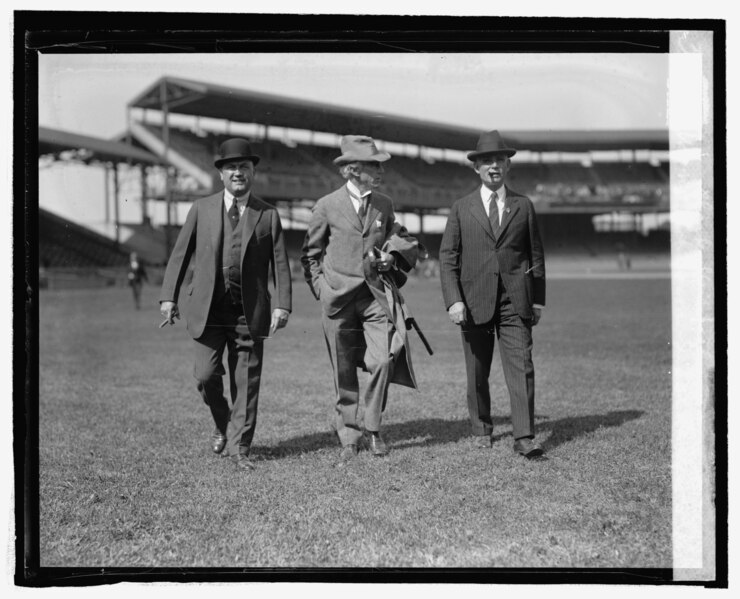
{"points": [[231, 239], [352, 237], [492, 270]]}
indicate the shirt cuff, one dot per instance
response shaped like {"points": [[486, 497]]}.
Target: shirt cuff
{"points": [[540, 306]]}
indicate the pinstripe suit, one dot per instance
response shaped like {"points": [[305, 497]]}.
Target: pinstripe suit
{"points": [[498, 275]]}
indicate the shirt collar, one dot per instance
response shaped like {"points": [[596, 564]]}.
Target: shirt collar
{"points": [[353, 190], [485, 193], [242, 201]]}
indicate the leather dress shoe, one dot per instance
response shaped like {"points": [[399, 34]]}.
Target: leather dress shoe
{"points": [[483, 441], [242, 461], [528, 448], [218, 441], [376, 445], [348, 453]]}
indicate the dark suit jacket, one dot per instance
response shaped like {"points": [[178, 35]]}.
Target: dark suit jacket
{"points": [[201, 241], [471, 257]]}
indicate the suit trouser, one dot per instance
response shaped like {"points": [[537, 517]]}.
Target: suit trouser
{"points": [[515, 347], [363, 315], [227, 329]]}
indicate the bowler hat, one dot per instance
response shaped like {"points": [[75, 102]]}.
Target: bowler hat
{"points": [[491, 143], [235, 149], [359, 148]]}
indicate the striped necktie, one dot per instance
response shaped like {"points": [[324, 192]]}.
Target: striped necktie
{"points": [[493, 212]]}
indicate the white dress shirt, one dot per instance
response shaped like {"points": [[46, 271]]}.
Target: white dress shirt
{"points": [[356, 195], [500, 193], [241, 203]]}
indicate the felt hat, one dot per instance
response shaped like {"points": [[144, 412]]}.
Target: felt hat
{"points": [[491, 143], [236, 148], [359, 148]]}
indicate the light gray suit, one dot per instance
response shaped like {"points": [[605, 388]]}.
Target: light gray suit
{"points": [[336, 267]]}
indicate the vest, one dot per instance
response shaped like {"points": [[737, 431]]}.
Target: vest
{"points": [[230, 279]]}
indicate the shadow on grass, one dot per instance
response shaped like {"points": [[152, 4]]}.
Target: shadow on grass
{"points": [[436, 431]]}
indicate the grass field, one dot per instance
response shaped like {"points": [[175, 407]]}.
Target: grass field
{"points": [[127, 479]]}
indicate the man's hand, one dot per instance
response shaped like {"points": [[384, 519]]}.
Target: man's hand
{"points": [[457, 313], [279, 319], [384, 261], [170, 311], [537, 314]]}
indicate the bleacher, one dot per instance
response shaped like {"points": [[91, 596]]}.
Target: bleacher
{"points": [[300, 171]]}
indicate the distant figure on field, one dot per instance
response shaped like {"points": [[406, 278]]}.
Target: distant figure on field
{"points": [[232, 238], [492, 270], [623, 257], [136, 277], [353, 241]]}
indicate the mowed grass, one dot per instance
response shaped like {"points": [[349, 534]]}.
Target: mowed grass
{"points": [[127, 478]]}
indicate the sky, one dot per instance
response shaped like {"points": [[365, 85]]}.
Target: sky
{"points": [[88, 93]]}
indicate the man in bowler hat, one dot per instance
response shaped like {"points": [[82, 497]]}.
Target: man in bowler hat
{"points": [[492, 270], [231, 239], [352, 236]]}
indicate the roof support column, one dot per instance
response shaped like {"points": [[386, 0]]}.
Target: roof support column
{"points": [[115, 202], [166, 140], [106, 170], [144, 194]]}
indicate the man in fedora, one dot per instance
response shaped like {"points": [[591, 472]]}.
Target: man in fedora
{"points": [[352, 236], [492, 270], [231, 239]]}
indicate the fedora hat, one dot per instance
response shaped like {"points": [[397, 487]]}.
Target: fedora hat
{"points": [[359, 148], [491, 143], [236, 148]]}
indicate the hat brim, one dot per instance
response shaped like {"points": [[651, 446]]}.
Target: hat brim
{"points": [[347, 158], [221, 161], [509, 152]]}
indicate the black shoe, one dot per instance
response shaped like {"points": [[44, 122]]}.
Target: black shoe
{"points": [[528, 448], [242, 462], [483, 441], [218, 441], [348, 453], [376, 445]]}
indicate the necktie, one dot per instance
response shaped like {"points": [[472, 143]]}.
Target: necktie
{"points": [[493, 212], [234, 214], [363, 209]]}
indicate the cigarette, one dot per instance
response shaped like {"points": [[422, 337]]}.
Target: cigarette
{"points": [[164, 322]]}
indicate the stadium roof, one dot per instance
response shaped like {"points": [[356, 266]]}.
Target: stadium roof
{"points": [[209, 100], [92, 149]]}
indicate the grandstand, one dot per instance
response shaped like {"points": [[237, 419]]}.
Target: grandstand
{"points": [[427, 173]]}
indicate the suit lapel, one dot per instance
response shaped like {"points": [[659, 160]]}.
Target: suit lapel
{"points": [[252, 214], [479, 213], [371, 215], [215, 221], [345, 207], [510, 210]]}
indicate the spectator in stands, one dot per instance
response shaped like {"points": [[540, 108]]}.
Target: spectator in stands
{"points": [[232, 238], [352, 237], [492, 271], [136, 277]]}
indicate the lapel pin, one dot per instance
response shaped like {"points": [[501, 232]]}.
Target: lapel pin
{"points": [[508, 210]]}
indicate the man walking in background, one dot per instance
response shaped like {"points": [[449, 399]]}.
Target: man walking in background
{"points": [[352, 237], [492, 271], [232, 238], [136, 276]]}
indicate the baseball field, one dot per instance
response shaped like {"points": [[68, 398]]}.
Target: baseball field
{"points": [[127, 479]]}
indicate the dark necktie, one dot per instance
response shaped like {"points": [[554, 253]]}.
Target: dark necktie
{"points": [[234, 214], [363, 209], [493, 212]]}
